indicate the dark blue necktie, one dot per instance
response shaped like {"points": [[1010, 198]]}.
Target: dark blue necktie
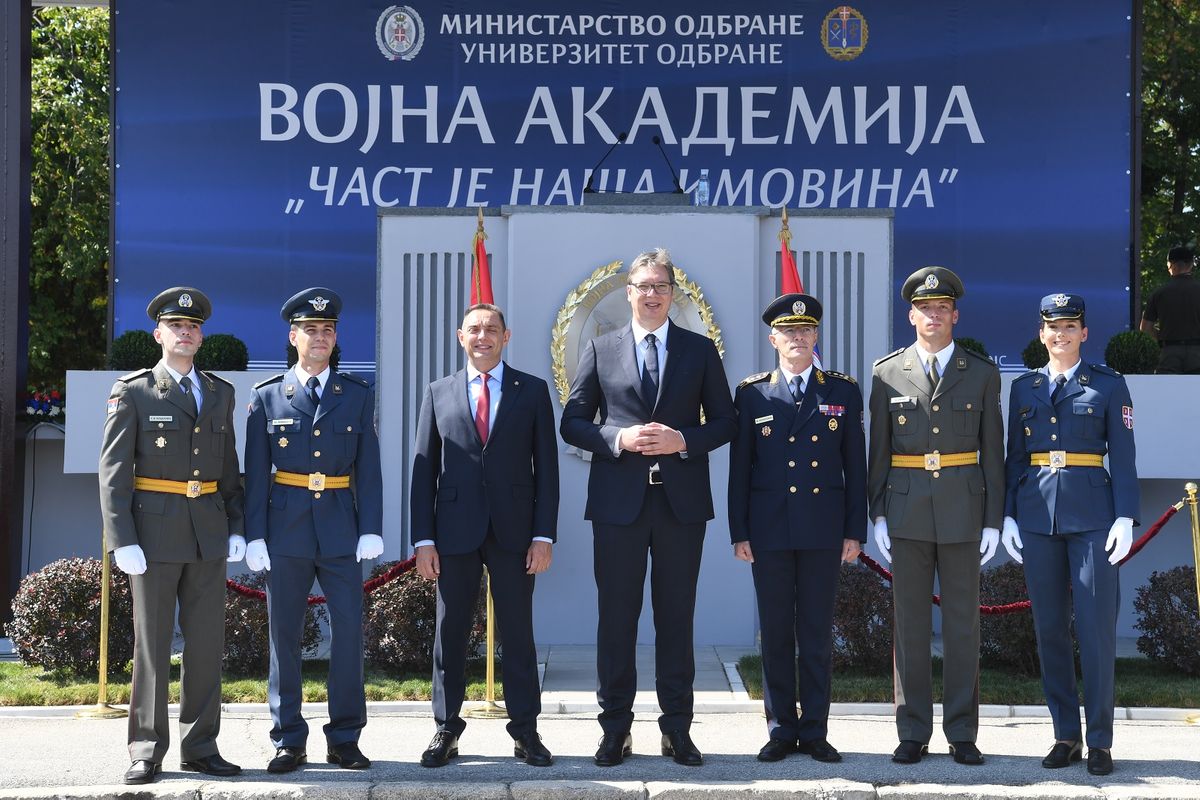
{"points": [[650, 372], [1059, 383]]}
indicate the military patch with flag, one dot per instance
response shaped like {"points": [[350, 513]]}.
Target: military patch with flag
{"points": [[112, 405], [1127, 416]]}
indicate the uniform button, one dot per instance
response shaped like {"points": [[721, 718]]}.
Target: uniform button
{"points": [[1053, 420], [196, 430], [196, 452], [316, 454], [316, 495], [349, 429], [791, 463], [196, 473], [1054, 437], [936, 429], [791, 438], [968, 406], [1089, 410], [936, 407], [792, 489], [816, 490], [316, 433], [937, 474], [814, 463], [815, 437], [160, 424]]}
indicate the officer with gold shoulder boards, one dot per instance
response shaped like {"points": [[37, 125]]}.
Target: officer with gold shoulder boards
{"points": [[1074, 520], [172, 505], [797, 508], [317, 427], [935, 483]]}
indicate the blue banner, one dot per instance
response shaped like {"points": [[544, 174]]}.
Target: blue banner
{"points": [[255, 140]]}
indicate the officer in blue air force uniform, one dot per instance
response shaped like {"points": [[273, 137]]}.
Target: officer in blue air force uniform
{"points": [[797, 508], [1074, 520], [317, 427]]}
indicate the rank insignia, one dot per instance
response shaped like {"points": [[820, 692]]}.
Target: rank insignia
{"points": [[961, 363], [820, 377], [290, 389], [902, 419], [833, 423], [337, 388], [112, 405], [283, 442], [1127, 416], [160, 442], [1083, 379], [164, 384], [766, 430]]}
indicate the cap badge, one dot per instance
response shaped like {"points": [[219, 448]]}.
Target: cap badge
{"points": [[185, 300], [1060, 300], [931, 282], [798, 307], [318, 303]]}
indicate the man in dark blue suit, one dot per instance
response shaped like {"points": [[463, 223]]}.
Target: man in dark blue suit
{"points": [[317, 427], [485, 493], [1073, 521], [797, 508], [648, 494]]}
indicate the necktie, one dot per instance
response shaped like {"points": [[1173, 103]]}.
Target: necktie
{"points": [[1059, 383], [313, 385], [650, 371], [185, 384], [797, 391], [934, 377], [483, 408]]}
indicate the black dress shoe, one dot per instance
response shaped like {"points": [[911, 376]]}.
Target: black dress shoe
{"points": [[679, 746], [287, 759], [820, 750], [1099, 762], [614, 748], [211, 765], [966, 753], [142, 771], [529, 747], [442, 748], [1063, 754], [776, 750], [347, 756], [909, 752]]}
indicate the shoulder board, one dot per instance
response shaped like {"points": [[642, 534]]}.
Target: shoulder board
{"points": [[1104, 369], [355, 379], [272, 379], [214, 376], [980, 356], [841, 375], [139, 373], [892, 354], [755, 378], [1025, 375]]}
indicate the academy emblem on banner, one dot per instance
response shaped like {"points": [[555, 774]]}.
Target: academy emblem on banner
{"points": [[844, 33], [399, 33]]}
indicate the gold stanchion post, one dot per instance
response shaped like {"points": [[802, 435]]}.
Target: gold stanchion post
{"points": [[489, 709], [102, 710], [1191, 488]]}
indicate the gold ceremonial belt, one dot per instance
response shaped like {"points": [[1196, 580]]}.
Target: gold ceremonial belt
{"points": [[189, 489], [1061, 458], [932, 461], [313, 481]]}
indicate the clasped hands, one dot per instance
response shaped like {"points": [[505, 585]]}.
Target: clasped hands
{"points": [[652, 439]]}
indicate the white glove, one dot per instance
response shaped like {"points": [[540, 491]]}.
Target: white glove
{"points": [[237, 548], [256, 556], [989, 540], [130, 559], [1120, 539], [1011, 537], [370, 545], [882, 541]]}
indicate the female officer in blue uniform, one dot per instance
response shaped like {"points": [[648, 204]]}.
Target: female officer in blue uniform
{"points": [[1074, 520]]}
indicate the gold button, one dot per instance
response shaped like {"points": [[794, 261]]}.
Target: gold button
{"points": [[316, 495], [814, 463], [196, 452], [936, 407], [791, 438], [316, 433], [937, 429], [196, 430], [937, 474], [196, 473], [160, 424], [791, 463], [816, 490], [792, 489], [316, 454], [1053, 420], [815, 437], [1054, 437]]}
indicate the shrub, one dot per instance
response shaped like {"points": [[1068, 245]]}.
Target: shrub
{"points": [[1132, 352], [134, 350], [56, 618], [967, 343], [247, 633], [1034, 356], [1006, 640], [222, 351], [399, 619], [334, 357], [862, 620], [1169, 620]]}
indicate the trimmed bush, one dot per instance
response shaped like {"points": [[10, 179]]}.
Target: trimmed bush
{"points": [[1034, 356], [247, 632], [1169, 620], [134, 350], [399, 619], [862, 620], [967, 343], [334, 357], [1006, 640], [1132, 352], [56, 618], [222, 351]]}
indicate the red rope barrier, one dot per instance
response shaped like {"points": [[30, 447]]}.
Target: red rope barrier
{"points": [[395, 571], [1024, 605]]}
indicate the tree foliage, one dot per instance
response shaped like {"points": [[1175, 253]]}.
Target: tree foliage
{"points": [[69, 192]]}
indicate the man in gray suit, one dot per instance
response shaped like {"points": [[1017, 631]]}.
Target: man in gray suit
{"points": [[172, 505], [935, 484]]}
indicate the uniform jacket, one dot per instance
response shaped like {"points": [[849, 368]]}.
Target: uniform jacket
{"points": [[338, 438], [608, 382], [151, 432], [798, 476], [962, 416], [1094, 414], [460, 485]]}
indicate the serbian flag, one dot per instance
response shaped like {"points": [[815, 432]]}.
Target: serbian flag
{"points": [[790, 277], [481, 276]]}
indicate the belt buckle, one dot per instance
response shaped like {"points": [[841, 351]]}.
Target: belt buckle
{"points": [[1058, 459], [933, 461], [655, 474], [316, 481], [193, 489]]}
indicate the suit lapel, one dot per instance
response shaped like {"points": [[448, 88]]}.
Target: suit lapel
{"points": [[676, 350], [299, 394], [331, 397], [210, 396], [1041, 394], [779, 391], [914, 370], [1074, 387], [955, 367], [463, 402], [509, 387], [169, 390], [627, 355], [814, 394]]}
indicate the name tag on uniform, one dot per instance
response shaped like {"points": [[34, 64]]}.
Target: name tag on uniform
{"points": [[288, 421], [831, 410], [161, 418], [902, 399], [761, 420]]}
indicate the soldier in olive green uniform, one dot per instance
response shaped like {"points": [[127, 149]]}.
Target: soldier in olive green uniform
{"points": [[171, 501], [935, 484]]}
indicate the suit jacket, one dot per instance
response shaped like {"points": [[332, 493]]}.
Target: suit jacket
{"points": [[460, 485], [152, 432], [608, 382], [336, 438], [798, 476], [962, 416], [1094, 414]]}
